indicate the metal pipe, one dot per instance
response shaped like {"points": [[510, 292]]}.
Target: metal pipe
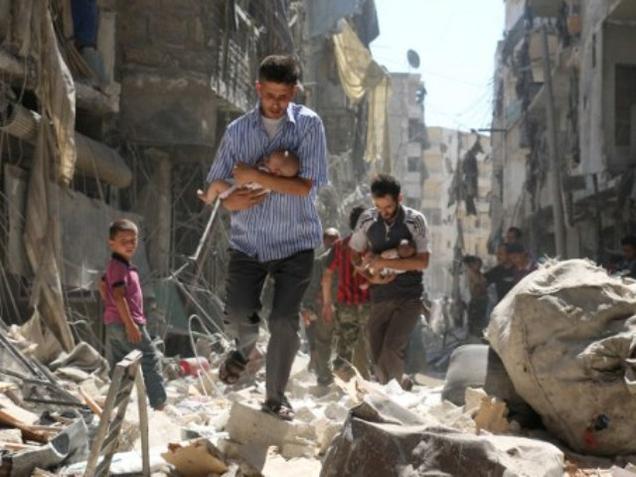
{"points": [[93, 157]]}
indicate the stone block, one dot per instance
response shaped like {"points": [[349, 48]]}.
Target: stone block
{"points": [[247, 424], [300, 448], [325, 430], [336, 412], [304, 414], [11, 436], [72, 374], [252, 453]]}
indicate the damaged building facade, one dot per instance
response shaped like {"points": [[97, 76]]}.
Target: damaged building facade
{"points": [[148, 90], [450, 224], [564, 126], [408, 135]]}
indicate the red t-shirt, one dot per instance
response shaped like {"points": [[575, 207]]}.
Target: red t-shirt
{"points": [[120, 273], [349, 282]]}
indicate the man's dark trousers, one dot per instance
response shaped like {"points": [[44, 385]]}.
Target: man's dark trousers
{"points": [[246, 276]]}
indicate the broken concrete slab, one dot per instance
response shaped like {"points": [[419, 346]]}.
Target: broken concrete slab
{"points": [[247, 424], [11, 436], [196, 458], [619, 472], [366, 448], [72, 374], [325, 430], [70, 445], [299, 448], [124, 463], [336, 412], [84, 358], [304, 414], [251, 453]]}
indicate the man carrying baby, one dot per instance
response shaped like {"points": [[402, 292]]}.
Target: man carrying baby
{"points": [[278, 163], [396, 298], [272, 233]]}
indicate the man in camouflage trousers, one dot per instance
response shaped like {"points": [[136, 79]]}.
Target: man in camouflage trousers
{"points": [[351, 309], [319, 331]]}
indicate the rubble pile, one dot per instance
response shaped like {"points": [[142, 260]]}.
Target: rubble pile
{"points": [[471, 423]]}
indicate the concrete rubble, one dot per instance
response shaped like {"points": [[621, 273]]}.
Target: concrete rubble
{"points": [[208, 428]]}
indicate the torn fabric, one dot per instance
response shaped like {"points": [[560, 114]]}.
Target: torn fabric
{"points": [[360, 75], [57, 94], [42, 238]]}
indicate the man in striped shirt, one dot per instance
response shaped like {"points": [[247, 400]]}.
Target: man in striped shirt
{"points": [[351, 310], [272, 233]]}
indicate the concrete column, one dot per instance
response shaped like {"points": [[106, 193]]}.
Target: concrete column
{"points": [[156, 206], [106, 41]]}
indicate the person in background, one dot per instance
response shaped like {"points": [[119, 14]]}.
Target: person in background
{"points": [[478, 305], [514, 235], [627, 267], [396, 299], [85, 15], [502, 275], [349, 307], [319, 328], [521, 261]]}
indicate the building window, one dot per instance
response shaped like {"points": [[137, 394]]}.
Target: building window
{"points": [[416, 130], [625, 102], [413, 164]]}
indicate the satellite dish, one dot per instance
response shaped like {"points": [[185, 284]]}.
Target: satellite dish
{"points": [[413, 58]]}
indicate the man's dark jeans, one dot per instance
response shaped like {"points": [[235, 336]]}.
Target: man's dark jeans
{"points": [[246, 276]]}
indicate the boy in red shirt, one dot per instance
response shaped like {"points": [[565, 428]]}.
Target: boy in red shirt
{"points": [[124, 317]]}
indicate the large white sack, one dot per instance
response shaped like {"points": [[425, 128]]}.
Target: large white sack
{"points": [[567, 337]]}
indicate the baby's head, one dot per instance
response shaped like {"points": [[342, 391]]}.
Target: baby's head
{"points": [[406, 249], [282, 163]]}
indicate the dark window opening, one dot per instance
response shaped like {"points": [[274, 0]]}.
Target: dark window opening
{"points": [[416, 130], [625, 100]]}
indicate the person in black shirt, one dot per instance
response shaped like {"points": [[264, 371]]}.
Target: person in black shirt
{"points": [[501, 275], [627, 268]]}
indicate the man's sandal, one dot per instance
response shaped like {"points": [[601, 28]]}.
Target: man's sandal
{"points": [[232, 367], [282, 411]]}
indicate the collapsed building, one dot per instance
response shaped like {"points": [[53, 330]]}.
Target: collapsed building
{"points": [[563, 126]]}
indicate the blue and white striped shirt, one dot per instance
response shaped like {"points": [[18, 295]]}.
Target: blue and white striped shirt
{"points": [[282, 224]]}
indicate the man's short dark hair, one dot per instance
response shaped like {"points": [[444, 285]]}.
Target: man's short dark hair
{"points": [[354, 215], [384, 184], [516, 231], [122, 225], [515, 248], [629, 240], [279, 69]]}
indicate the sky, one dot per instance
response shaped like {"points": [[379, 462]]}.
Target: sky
{"points": [[456, 42]]}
